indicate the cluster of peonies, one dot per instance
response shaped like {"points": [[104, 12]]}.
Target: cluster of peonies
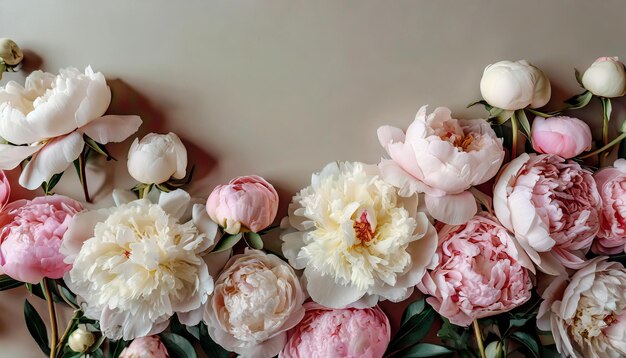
{"points": [[359, 234]]}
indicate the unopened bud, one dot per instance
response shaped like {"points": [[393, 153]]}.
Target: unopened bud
{"points": [[80, 340]]}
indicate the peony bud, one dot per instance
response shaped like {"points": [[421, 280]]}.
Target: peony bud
{"points": [[150, 346], [515, 85], [605, 77], [247, 203], [157, 158], [80, 340], [564, 136], [10, 53], [494, 350]]}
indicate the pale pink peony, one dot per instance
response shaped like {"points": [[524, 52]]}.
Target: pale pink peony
{"points": [[31, 234], [247, 203], [5, 190], [611, 182], [347, 333], [587, 312], [442, 157], [145, 347], [553, 208], [566, 137], [481, 272]]}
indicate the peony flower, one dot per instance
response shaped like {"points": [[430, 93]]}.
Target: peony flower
{"points": [[5, 190], [257, 298], [442, 157], [480, 272], [349, 333], [515, 85], [566, 137], [145, 347], [611, 181], [31, 233], [247, 203], [137, 264], [553, 207], [10, 52], [356, 240], [80, 340], [587, 312], [47, 118], [606, 77], [156, 158]]}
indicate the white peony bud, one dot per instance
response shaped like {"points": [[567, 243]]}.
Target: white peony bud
{"points": [[80, 340], [10, 53], [606, 77], [494, 350], [157, 157], [515, 85]]}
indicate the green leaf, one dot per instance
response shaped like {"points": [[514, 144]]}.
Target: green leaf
{"points": [[254, 240], [621, 152], [550, 352], [194, 331], [578, 101], [36, 327], [528, 341], [483, 102], [97, 147], [450, 335], [48, 186], [227, 242], [426, 350], [579, 77], [98, 353], [7, 283], [209, 347], [414, 308], [607, 108], [504, 116], [413, 330], [523, 121], [116, 347], [177, 346], [542, 114]]}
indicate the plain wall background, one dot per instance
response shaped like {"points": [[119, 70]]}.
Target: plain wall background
{"points": [[280, 88]]}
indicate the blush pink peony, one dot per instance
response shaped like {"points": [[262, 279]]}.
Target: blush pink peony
{"points": [[247, 203], [347, 333], [481, 272], [553, 208], [5, 190], [442, 157], [563, 136], [30, 237], [611, 183], [145, 347]]}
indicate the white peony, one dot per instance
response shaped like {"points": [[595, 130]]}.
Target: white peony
{"points": [[606, 77], [356, 240], [515, 85], [257, 298], [157, 157], [136, 265]]}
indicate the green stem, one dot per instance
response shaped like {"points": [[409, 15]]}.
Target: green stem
{"points": [[514, 130], [606, 147], [479, 339], [145, 191], [53, 318], [68, 330], [606, 116], [82, 175]]}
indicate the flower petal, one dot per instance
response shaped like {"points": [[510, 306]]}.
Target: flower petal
{"points": [[326, 292], [175, 202], [452, 209], [112, 128], [11, 156]]}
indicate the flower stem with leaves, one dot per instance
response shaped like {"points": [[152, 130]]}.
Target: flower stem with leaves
{"points": [[54, 331]]}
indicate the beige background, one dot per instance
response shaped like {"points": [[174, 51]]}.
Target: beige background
{"points": [[280, 88]]}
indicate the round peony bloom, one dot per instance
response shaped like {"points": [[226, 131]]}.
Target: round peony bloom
{"points": [[606, 77], [257, 298], [566, 137], [157, 157], [442, 157], [145, 347], [480, 272], [587, 312], [247, 203], [80, 340], [356, 240], [553, 207], [47, 117], [5, 190], [611, 181], [31, 233], [136, 265], [515, 85], [348, 333]]}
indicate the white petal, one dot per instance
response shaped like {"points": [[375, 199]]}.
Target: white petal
{"points": [[11, 156], [500, 194], [452, 209], [216, 261], [53, 158], [121, 197], [205, 225], [112, 128], [81, 228], [326, 292], [175, 202], [181, 157], [97, 97]]}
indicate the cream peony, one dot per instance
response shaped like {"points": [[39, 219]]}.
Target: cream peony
{"points": [[356, 240], [156, 158], [47, 118], [606, 77], [513, 85], [442, 157], [587, 312], [257, 298], [139, 263]]}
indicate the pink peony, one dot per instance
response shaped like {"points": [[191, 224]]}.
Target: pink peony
{"points": [[145, 347], [246, 203], [31, 234], [553, 208], [442, 157], [347, 333], [481, 272], [563, 136], [612, 187], [5, 190]]}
